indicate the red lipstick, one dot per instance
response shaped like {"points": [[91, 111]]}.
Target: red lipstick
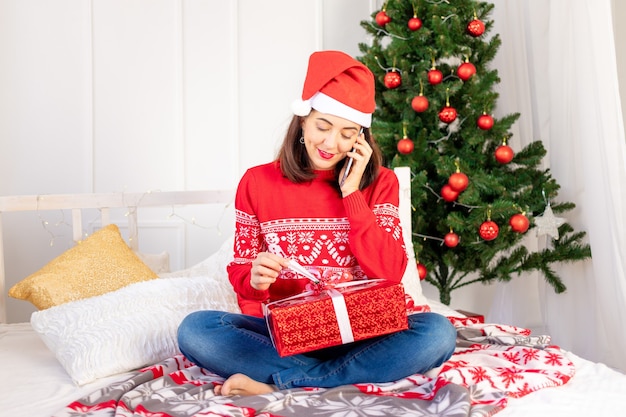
{"points": [[324, 154]]}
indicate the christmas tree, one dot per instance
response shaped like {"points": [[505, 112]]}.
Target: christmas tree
{"points": [[474, 198]]}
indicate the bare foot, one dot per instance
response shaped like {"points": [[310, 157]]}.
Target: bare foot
{"points": [[240, 384]]}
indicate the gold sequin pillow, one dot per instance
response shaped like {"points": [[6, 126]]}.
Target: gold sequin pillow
{"points": [[99, 264]]}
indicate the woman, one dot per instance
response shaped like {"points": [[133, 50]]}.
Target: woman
{"points": [[337, 222]]}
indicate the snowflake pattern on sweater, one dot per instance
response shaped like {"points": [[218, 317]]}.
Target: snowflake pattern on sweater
{"points": [[323, 242]]}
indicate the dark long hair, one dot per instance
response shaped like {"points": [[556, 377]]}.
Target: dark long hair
{"points": [[296, 166]]}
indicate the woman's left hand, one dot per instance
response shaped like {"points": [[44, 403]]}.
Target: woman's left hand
{"points": [[361, 153]]}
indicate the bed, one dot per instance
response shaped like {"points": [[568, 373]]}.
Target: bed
{"points": [[113, 351]]}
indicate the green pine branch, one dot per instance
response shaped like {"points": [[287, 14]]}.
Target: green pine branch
{"points": [[496, 191]]}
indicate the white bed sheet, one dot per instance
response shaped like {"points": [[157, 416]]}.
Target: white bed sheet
{"points": [[34, 384], [595, 390]]}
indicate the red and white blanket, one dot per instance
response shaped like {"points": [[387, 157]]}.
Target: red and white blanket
{"points": [[491, 364]]}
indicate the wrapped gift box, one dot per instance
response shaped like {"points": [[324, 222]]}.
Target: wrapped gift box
{"points": [[476, 317], [348, 312]]}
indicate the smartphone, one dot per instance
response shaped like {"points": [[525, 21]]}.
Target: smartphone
{"points": [[347, 171], [349, 165]]}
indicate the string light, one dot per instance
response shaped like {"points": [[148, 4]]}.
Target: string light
{"points": [[45, 223], [453, 127], [443, 19], [381, 30], [192, 220], [131, 211]]}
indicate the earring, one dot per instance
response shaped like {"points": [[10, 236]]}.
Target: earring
{"points": [[302, 140]]}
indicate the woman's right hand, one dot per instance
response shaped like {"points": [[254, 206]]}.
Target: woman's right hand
{"points": [[265, 269]]}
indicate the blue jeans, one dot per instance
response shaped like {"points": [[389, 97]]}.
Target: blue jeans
{"points": [[228, 343]]}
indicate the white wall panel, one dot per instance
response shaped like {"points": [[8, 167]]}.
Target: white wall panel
{"points": [[342, 29], [45, 85], [275, 40], [210, 93], [137, 102]]}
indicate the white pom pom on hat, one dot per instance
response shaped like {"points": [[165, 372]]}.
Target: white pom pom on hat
{"points": [[340, 85], [301, 107]]}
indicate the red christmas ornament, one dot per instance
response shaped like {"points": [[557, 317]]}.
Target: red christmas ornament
{"points": [[504, 154], [448, 193], [382, 18], [519, 223], [466, 70], [435, 76], [458, 181], [419, 103], [447, 114], [488, 230], [405, 146], [451, 239], [485, 121], [414, 23], [421, 270], [476, 28], [393, 79]]}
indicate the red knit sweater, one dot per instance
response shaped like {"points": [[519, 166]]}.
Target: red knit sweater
{"points": [[312, 223]]}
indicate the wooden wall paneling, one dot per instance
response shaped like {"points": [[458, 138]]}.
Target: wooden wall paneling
{"points": [[273, 54], [137, 100], [44, 105], [342, 29], [210, 93]]}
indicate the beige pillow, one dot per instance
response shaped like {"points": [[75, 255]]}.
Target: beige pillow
{"points": [[158, 262], [101, 263]]}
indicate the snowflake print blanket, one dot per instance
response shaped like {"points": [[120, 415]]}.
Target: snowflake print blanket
{"points": [[491, 364]]}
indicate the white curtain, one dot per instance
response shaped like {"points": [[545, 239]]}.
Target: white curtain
{"points": [[558, 68]]}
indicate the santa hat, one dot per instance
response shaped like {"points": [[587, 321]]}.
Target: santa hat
{"points": [[340, 85]]}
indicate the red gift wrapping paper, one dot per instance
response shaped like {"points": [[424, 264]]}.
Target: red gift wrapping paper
{"points": [[309, 321]]}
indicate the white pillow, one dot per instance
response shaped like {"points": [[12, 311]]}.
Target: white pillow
{"points": [[158, 262], [411, 280], [213, 266], [412, 284], [128, 328]]}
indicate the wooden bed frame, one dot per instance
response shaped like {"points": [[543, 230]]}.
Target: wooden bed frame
{"points": [[104, 202]]}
